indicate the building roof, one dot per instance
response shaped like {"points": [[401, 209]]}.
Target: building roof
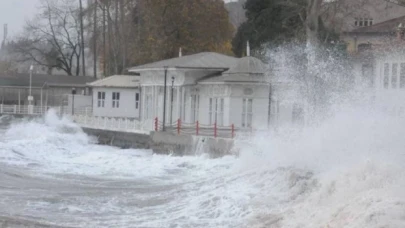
{"points": [[117, 81], [234, 79], [204, 60], [247, 65], [39, 80], [247, 69], [389, 26]]}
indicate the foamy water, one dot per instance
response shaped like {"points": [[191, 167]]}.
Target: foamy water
{"points": [[347, 172]]}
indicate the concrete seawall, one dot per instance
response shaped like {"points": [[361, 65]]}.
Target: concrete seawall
{"points": [[164, 142], [120, 139]]}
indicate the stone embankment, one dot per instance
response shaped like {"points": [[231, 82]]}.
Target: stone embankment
{"points": [[164, 142]]}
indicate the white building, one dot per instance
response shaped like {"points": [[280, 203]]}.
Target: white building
{"points": [[116, 96], [207, 87], [390, 82]]}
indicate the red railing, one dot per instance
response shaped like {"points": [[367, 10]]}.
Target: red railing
{"points": [[199, 129]]}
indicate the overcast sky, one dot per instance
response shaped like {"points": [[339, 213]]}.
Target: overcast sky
{"points": [[16, 12]]}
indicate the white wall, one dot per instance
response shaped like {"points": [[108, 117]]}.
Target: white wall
{"points": [[260, 98], [126, 103]]}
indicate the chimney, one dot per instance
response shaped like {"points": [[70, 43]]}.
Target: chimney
{"points": [[400, 32], [5, 34], [248, 49], [180, 53]]}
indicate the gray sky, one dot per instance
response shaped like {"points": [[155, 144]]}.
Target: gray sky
{"points": [[15, 13]]}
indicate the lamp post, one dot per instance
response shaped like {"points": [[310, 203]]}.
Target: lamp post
{"points": [[171, 102], [73, 100], [164, 100], [30, 98]]}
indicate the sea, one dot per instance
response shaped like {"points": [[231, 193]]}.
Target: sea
{"points": [[347, 171]]}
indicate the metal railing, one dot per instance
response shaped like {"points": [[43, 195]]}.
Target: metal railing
{"points": [[24, 109], [198, 129]]}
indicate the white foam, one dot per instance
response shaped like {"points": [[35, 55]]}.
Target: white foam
{"points": [[344, 172]]}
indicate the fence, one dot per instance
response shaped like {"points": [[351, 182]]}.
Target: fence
{"points": [[25, 109], [198, 129], [84, 117], [40, 110], [112, 123]]}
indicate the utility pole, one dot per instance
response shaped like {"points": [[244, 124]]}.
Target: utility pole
{"points": [[82, 38], [30, 97], [171, 101], [164, 100]]}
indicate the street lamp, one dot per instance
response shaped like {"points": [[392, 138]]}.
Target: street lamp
{"points": [[164, 100], [171, 104], [73, 100], [30, 98]]}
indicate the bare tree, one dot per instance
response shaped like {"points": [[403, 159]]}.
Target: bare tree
{"points": [[104, 10], [123, 34], [52, 39], [82, 38], [95, 38]]}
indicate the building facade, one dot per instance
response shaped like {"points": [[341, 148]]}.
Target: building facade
{"points": [[206, 88]]}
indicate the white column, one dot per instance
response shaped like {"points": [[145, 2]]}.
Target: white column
{"points": [[183, 104], [153, 102]]}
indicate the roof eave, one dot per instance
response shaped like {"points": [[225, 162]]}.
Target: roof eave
{"points": [[135, 70], [234, 82], [122, 87], [66, 85]]}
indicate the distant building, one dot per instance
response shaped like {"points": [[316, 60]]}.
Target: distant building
{"points": [[207, 87], [348, 15], [47, 90], [378, 51], [117, 96]]}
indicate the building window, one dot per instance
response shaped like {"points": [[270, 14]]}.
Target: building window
{"points": [[364, 47], [100, 99], [363, 22], [195, 103], [402, 76], [115, 99], [247, 112], [137, 100], [394, 78], [220, 111], [367, 73], [386, 75], [216, 111]]}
